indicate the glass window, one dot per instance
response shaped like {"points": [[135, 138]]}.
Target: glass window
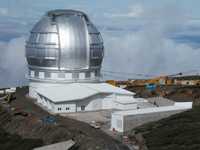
{"points": [[42, 38], [95, 62], [87, 74], [47, 74], [97, 73], [61, 75], [36, 73], [95, 38], [82, 108], [96, 53], [75, 75]]}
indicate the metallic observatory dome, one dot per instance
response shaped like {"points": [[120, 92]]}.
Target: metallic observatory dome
{"points": [[64, 46]]}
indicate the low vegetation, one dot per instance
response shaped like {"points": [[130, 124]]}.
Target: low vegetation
{"points": [[178, 132], [13, 141]]}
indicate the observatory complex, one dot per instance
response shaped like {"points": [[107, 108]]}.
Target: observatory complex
{"points": [[64, 53]]}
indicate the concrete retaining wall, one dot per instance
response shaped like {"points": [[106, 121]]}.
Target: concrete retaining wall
{"points": [[126, 120], [160, 101], [133, 121]]}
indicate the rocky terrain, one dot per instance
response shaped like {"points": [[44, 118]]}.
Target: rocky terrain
{"points": [[27, 125]]}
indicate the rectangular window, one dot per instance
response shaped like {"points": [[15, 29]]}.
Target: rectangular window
{"points": [[96, 53], [41, 75], [95, 62], [87, 74], [59, 109], [32, 73], [75, 75], [36, 73], [61, 75], [97, 73], [81, 75], [82, 108], [68, 75], [47, 74], [119, 123]]}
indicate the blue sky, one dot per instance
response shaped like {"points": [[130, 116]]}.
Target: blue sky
{"points": [[141, 36]]}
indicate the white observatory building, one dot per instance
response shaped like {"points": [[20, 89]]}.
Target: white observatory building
{"points": [[64, 53]]}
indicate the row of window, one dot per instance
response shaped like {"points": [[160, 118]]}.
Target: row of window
{"points": [[59, 108], [52, 62], [97, 53], [83, 75], [53, 52], [67, 108], [95, 38], [45, 52], [43, 62]]}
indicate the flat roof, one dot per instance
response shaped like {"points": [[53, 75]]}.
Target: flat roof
{"points": [[78, 91], [128, 100], [107, 88], [176, 106]]}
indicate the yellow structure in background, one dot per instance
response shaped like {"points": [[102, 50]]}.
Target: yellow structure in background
{"points": [[161, 80]]}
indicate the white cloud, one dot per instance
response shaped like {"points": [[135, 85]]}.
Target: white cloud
{"points": [[147, 54], [134, 11], [13, 66], [150, 51], [3, 11]]}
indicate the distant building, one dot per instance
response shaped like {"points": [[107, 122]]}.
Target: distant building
{"points": [[187, 80]]}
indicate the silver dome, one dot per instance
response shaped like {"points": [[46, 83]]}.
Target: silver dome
{"points": [[64, 46]]}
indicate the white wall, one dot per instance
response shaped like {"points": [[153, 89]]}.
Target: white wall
{"points": [[91, 104], [186, 105], [96, 102], [105, 101], [133, 118], [125, 106], [113, 102], [32, 92], [108, 101], [56, 108], [117, 123], [65, 108]]}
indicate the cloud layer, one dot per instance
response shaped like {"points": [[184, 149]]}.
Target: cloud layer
{"points": [[139, 40], [13, 66], [150, 51], [134, 11]]}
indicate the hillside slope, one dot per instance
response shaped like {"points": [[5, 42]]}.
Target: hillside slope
{"points": [[178, 132], [31, 128], [13, 141]]}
